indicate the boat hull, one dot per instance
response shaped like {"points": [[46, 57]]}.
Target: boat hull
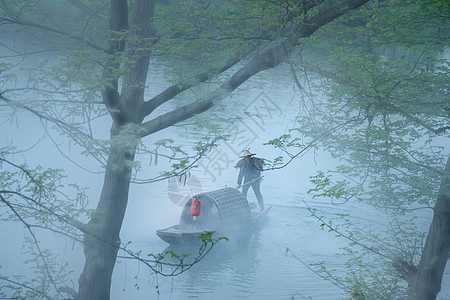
{"points": [[176, 234]]}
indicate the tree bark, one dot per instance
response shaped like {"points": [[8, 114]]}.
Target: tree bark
{"points": [[102, 240], [435, 254]]}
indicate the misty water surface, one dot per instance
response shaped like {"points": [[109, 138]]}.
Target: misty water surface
{"points": [[257, 266]]}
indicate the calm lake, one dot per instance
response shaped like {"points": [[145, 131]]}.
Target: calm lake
{"points": [[270, 262]]}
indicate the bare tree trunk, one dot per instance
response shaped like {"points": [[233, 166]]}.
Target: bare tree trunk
{"points": [[437, 246], [102, 240]]}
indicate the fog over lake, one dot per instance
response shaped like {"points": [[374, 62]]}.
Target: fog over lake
{"points": [[270, 261]]}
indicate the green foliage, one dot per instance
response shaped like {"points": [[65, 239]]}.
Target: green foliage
{"points": [[284, 142], [77, 77], [384, 115], [389, 93], [340, 190], [34, 198], [373, 260], [6, 76], [208, 32], [172, 263], [35, 194], [180, 160]]}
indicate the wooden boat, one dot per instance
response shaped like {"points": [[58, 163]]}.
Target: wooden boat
{"points": [[225, 211]]}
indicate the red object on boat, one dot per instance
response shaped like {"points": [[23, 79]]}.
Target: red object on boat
{"points": [[195, 208]]}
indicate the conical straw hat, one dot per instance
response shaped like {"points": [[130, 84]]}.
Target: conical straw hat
{"points": [[247, 153]]}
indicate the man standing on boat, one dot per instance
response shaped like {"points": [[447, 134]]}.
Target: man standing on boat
{"points": [[250, 169]]}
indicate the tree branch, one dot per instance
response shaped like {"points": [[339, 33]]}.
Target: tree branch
{"points": [[35, 242], [264, 61], [417, 120], [84, 9], [118, 23], [42, 116], [347, 237], [24, 286], [52, 30], [181, 86], [390, 105], [168, 119]]}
